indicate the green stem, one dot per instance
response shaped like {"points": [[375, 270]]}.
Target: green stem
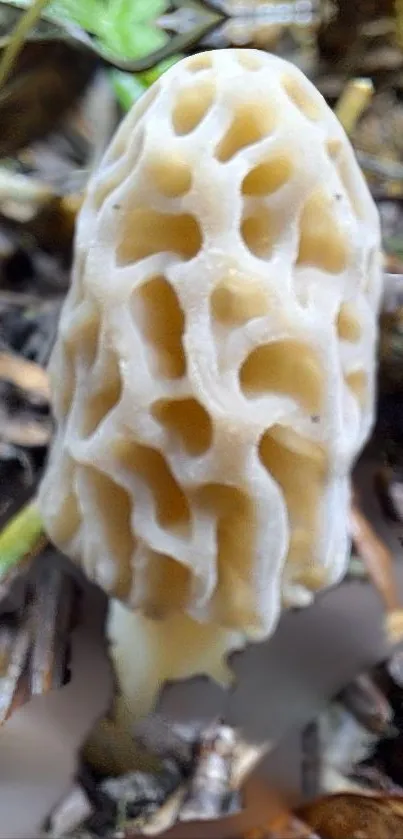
{"points": [[20, 539]]}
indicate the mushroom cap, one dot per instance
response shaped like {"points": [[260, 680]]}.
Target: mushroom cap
{"points": [[213, 376]]}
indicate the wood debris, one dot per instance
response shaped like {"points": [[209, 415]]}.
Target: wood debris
{"points": [[34, 639], [202, 774]]}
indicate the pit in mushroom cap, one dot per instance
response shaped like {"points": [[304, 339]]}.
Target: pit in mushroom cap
{"points": [[213, 377]]}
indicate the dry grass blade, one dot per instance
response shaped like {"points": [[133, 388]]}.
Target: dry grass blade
{"points": [[24, 25]]}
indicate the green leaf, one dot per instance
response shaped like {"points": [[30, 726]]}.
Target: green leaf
{"points": [[128, 88], [89, 14], [108, 19], [125, 36], [128, 12], [132, 42], [148, 77], [20, 538]]}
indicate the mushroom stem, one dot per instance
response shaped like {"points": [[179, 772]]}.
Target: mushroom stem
{"points": [[147, 653]]}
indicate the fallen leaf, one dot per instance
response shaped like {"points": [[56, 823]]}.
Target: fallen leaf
{"points": [[284, 827], [350, 816]]}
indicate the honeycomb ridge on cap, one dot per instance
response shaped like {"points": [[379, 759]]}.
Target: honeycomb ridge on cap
{"points": [[213, 376]]}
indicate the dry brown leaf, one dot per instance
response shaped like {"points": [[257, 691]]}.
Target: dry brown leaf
{"points": [[350, 816], [279, 822], [285, 827]]}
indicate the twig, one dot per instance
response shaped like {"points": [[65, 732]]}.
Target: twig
{"points": [[26, 22], [378, 561]]}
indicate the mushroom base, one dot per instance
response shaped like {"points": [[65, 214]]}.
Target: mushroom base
{"points": [[146, 654]]}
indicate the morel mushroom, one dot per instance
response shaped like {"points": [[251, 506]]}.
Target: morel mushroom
{"points": [[213, 377]]}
